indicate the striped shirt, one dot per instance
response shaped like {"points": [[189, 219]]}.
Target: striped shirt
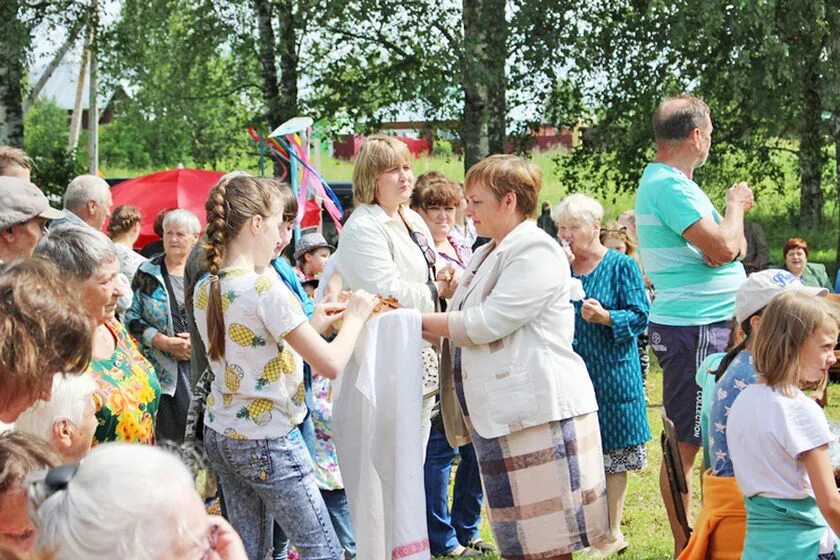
{"points": [[688, 292]]}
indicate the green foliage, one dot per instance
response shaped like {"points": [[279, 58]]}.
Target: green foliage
{"points": [[764, 68], [47, 133], [186, 105]]}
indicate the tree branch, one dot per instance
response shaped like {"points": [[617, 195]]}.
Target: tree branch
{"points": [[226, 93], [378, 40]]}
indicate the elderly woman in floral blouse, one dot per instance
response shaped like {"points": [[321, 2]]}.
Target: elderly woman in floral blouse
{"points": [[127, 392]]}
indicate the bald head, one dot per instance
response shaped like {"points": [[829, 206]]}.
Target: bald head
{"points": [[677, 117]]}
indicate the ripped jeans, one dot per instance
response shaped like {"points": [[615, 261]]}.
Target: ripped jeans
{"points": [[272, 479]]}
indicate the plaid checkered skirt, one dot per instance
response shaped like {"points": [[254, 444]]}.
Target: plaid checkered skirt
{"points": [[544, 486]]}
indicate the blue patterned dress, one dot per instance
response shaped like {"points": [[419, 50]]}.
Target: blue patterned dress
{"points": [[612, 358]]}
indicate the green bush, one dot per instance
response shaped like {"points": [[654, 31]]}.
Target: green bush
{"points": [[442, 148], [47, 130]]}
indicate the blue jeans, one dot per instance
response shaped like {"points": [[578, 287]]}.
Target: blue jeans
{"points": [[339, 509], [272, 479], [336, 500], [447, 530]]}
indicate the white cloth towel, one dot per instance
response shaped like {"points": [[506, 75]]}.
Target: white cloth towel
{"points": [[378, 437]]}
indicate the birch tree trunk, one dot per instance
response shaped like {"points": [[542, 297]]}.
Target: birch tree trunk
{"points": [[14, 39], [289, 60], [811, 158], [483, 130], [271, 91]]}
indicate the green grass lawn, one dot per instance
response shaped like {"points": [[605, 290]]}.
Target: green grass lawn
{"points": [[645, 524]]}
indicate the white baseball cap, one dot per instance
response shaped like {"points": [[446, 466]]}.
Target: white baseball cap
{"points": [[761, 287]]}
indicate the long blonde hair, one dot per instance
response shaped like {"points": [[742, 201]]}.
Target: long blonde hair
{"points": [[231, 203], [786, 323]]}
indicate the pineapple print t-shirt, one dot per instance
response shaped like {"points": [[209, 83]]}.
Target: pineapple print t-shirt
{"points": [[257, 390]]}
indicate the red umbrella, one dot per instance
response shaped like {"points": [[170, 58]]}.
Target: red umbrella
{"points": [[174, 188]]}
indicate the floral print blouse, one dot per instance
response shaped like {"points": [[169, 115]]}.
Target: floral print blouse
{"points": [[327, 473], [127, 392]]}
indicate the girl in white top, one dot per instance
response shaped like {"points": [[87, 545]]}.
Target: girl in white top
{"points": [[256, 336], [778, 437]]}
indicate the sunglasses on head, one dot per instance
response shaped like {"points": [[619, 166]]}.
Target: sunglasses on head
{"points": [[620, 231]]}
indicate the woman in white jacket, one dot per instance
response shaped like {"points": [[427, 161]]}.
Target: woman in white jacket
{"points": [[514, 381], [386, 248]]}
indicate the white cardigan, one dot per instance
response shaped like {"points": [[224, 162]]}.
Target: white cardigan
{"points": [[515, 328], [376, 254]]}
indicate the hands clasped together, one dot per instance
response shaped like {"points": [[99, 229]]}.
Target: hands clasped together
{"points": [[447, 280]]}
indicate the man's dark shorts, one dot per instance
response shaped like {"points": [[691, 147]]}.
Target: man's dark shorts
{"points": [[680, 351]]}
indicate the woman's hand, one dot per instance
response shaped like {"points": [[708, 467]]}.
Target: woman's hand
{"points": [[593, 312], [568, 250], [177, 346], [228, 545], [450, 275], [360, 305], [444, 289], [325, 315]]}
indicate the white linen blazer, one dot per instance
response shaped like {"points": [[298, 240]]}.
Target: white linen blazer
{"points": [[514, 324], [376, 254]]}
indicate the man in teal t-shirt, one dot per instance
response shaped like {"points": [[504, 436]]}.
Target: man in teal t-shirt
{"points": [[690, 252]]}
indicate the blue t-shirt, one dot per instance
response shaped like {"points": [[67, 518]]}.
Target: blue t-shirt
{"points": [[688, 292], [705, 379], [738, 376]]}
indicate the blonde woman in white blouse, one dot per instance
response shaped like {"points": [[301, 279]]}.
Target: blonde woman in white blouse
{"points": [[386, 248]]}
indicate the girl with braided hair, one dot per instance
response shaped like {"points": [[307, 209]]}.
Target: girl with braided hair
{"points": [[257, 337]]}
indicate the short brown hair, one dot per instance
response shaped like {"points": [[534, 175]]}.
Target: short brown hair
{"points": [[44, 329], [9, 155], [289, 202], [796, 243], [378, 154], [157, 225], [436, 192], [504, 173], [123, 218], [676, 117], [22, 454]]}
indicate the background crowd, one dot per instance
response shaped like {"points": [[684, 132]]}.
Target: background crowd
{"points": [[123, 374]]}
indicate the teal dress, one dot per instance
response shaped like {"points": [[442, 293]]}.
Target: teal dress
{"points": [[612, 358]]}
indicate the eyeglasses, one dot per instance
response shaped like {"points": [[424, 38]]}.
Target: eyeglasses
{"points": [[423, 243], [620, 231]]}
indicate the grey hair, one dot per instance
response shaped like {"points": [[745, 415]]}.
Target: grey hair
{"points": [[578, 207], [85, 188], [183, 218], [77, 250], [70, 396], [121, 503], [676, 117]]}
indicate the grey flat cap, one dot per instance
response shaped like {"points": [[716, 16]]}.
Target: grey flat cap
{"points": [[21, 201]]}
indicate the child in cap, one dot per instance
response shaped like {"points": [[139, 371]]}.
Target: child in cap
{"points": [[719, 530], [778, 437], [311, 254]]}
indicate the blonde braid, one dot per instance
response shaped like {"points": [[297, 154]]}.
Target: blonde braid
{"points": [[214, 248]]}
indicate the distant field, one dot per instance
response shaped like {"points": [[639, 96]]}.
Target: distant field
{"points": [[776, 212]]}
